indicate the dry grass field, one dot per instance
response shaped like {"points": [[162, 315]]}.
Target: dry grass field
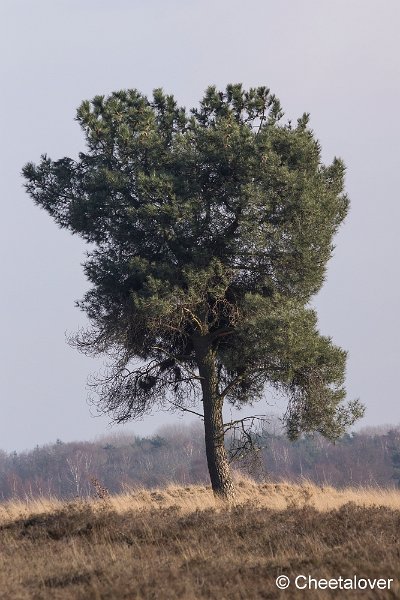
{"points": [[179, 543]]}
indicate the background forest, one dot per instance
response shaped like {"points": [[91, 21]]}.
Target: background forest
{"points": [[176, 454]]}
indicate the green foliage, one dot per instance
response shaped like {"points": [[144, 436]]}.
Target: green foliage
{"points": [[216, 222]]}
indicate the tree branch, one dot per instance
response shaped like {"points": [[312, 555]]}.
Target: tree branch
{"points": [[231, 385], [191, 373], [221, 332], [183, 408], [195, 319], [228, 426]]}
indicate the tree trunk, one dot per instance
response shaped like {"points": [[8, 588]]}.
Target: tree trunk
{"points": [[217, 461]]}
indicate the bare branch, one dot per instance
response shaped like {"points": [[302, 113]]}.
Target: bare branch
{"points": [[184, 409], [231, 424]]}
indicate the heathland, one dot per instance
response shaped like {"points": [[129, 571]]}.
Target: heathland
{"points": [[178, 542]]}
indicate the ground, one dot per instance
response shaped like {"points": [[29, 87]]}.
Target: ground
{"points": [[179, 543]]}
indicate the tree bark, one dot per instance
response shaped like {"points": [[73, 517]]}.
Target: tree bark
{"points": [[217, 461]]}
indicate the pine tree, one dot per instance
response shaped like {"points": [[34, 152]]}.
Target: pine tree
{"points": [[209, 233]]}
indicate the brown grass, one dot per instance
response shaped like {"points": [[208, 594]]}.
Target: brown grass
{"points": [[178, 543]]}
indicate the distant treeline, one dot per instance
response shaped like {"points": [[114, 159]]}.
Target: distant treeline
{"points": [[176, 454]]}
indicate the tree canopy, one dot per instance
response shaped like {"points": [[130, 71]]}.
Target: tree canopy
{"points": [[209, 233]]}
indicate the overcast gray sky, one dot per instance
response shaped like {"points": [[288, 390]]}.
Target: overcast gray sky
{"points": [[337, 60]]}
